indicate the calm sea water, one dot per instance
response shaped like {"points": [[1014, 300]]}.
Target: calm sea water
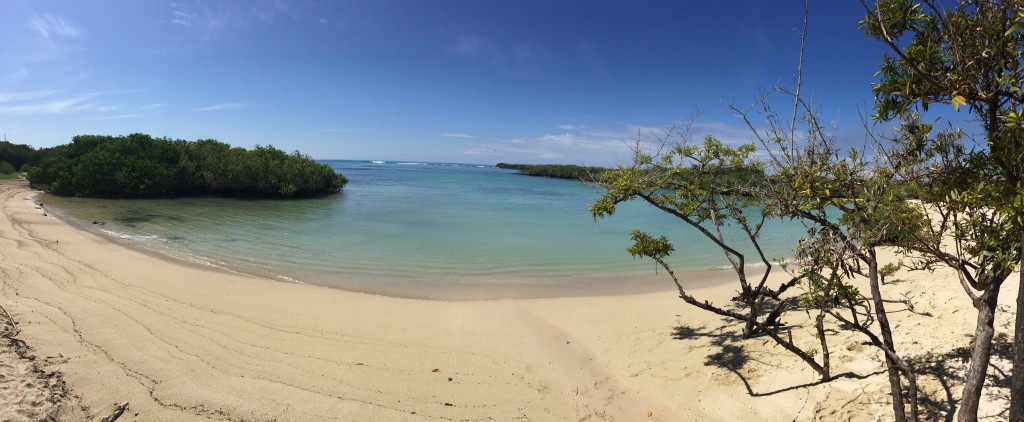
{"points": [[411, 229]]}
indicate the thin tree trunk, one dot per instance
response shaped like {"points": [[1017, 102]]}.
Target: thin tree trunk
{"points": [[982, 351], [895, 382], [1017, 381], [825, 359]]}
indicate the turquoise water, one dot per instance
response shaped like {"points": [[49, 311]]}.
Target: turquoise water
{"points": [[412, 228]]}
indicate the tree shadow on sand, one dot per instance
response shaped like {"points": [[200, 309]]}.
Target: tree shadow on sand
{"points": [[948, 369], [733, 357]]}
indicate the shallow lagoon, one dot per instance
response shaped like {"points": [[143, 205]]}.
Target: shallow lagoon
{"points": [[415, 229]]}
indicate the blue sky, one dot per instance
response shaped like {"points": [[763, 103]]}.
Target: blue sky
{"points": [[451, 81]]}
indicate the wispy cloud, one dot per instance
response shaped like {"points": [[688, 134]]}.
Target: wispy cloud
{"points": [[514, 56], [49, 27], [207, 20], [224, 106], [348, 130], [728, 134], [579, 143], [57, 106], [122, 116], [458, 135], [565, 147], [44, 38], [183, 18], [270, 10], [48, 102], [151, 106], [25, 95]]}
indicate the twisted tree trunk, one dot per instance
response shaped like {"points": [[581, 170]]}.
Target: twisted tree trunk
{"points": [[980, 354], [895, 382], [1017, 382]]}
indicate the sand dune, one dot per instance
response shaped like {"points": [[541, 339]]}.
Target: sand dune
{"points": [[183, 342]]}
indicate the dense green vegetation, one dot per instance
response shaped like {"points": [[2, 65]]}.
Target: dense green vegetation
{"points": [[17, 155], [140, 166], [742, 178], [558, 171], [6, 168]]}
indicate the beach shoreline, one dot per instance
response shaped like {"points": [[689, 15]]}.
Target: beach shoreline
{"points": [[185, 342], [653, 282]]}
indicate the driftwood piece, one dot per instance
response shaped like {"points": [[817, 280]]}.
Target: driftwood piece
{"points": [[14, 324], [118, 411]]}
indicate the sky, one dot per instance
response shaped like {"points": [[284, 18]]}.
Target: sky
{"points": [[480, 81]]}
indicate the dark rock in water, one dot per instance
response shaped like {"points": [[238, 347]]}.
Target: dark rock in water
{"points": [[98, 222], [140, 218]]}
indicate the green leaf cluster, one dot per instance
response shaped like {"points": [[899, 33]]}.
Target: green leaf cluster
{"points": [[140, 166], [17, 155]]}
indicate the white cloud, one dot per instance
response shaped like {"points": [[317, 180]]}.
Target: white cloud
{"points": [[46, 102], [156, 105], [581, 144], [224, 106], [49, 27], [122, 116], [348, 130], [57, 106], [458, 135], [208, 20], [25, 95], [183, 18], [46, 38], [728, 134]]}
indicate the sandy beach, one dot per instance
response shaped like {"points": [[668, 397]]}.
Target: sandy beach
{"points": [[107, 324]]}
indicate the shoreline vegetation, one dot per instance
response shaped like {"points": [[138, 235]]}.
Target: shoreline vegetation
{"points": [[140, 166], [556, 171], [742, 179]]}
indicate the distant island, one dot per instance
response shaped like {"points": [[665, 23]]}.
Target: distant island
{"points": [[140, 166], [558, 171]]}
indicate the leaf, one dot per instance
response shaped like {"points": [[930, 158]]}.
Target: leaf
{"points": [[1015, 27], [956, 100]]}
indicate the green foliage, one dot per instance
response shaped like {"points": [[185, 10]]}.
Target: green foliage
{"points": [[18, 155], [558, 171], [967, 55], [648, 246], [709, 183], [139, 166], [6, 168]]}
